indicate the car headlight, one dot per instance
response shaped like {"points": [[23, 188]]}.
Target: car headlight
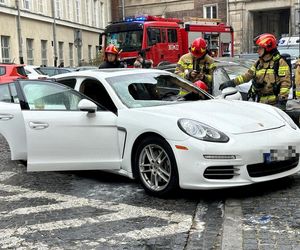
{"points": [[201, 131], [286, 117]]}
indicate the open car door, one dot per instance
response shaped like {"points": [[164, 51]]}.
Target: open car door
{"points": [[63, 134]]}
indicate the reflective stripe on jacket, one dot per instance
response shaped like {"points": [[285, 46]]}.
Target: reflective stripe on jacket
{"points": [[266, 77], [206, 66]]}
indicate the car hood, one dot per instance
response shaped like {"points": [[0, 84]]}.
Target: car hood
{"points": [[234, 117]]}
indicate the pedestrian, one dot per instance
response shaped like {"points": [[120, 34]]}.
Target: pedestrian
{"points": [[197, 64], [111, 59], [270, 74]]}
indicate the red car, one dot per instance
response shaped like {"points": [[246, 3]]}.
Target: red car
{"points": [[10, 72]]}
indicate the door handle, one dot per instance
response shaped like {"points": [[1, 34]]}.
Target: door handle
{"points": [[38, 125], [6, 117]]}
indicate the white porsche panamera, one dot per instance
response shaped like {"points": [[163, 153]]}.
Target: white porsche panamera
{"points": [[146, 124]]}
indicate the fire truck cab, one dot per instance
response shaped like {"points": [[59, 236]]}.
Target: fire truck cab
{"points": [[165, 39]]}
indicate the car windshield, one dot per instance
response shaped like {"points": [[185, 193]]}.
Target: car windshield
{"points": [[292, 51], [126, 41], [154, 89]]}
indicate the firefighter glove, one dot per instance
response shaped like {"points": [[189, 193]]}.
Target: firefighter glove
{"points": [[227, 84]]}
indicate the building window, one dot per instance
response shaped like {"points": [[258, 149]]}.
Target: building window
{"points": [[5, 49], [77, 11], [26, 4], [2, 1], [95, 13], [58, 9], [87, 10], [102, 23], [210, 11], [90, 53], [29, 47], [40, 6], [69, 10], [61, 52], [71, 54], [44, 59]]}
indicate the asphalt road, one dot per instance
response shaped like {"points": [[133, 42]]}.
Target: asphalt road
{"points": [[98, 210]]}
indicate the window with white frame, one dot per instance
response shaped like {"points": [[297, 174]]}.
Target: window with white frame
{"points": [[77, 11], [95, 7], [2, 1], [29, 48], [61, 52], [40, 6], [71, 54], [102, 23], [5, 49], [87, 11], [26, 4], [210, 11], [58, 9], [44, 58], [69, 10]]}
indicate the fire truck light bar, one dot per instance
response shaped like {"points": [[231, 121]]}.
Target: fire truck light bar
{"points": [[151, 18]]}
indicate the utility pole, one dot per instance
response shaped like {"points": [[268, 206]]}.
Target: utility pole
{"points": [[21, 59], [54, 33]]}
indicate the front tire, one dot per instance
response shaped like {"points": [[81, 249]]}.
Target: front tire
{"points": [[156, 166]]}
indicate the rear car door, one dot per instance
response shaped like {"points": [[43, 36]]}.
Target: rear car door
{"points": [[11, 121], [62, 137]]}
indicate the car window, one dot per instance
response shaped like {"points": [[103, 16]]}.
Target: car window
{"points": [[4, 93], [68, 82], [49, 96], [219, 77], [2, 71], [13, 92], [49, 72], [154, 89], [21, 71]]}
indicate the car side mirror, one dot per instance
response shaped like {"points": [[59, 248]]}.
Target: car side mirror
{"points": [[87, 105]]}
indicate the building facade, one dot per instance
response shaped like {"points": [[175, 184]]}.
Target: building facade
{"points": [[248, 18], [51, 32]]}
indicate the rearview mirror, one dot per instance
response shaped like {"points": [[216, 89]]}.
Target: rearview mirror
{"points": [[87, 105]]}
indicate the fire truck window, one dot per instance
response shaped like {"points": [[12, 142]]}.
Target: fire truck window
{"points": [[153, 36], [172, 36]]}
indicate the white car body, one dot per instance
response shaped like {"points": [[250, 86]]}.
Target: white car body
{"points": [[33, 72], [82, 139]]}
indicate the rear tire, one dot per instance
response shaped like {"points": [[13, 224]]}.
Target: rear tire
{"points": [[155, 164]]}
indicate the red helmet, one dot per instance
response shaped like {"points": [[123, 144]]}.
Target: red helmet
{"points": [[201, 85], [112, 49], [266, 41], [198, 48]]}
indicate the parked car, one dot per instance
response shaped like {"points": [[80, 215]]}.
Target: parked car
{"points": [[33, 72], [11, 71], [137, 123], [51, 71]]}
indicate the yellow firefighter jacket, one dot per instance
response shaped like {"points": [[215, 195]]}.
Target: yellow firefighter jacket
{"points": [[297, 79], [205, 65], [270, 83]]}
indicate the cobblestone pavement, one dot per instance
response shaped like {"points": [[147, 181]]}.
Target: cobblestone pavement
{"points": [[98, 210]]}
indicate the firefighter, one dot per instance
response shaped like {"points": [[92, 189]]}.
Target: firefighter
{"points": [[141, 62], [111, 58], [201, 85], [297, 80], [270, 74], [197, 64]]}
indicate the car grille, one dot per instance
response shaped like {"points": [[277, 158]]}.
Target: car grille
{"points": [[220, 172], [265, 169]]}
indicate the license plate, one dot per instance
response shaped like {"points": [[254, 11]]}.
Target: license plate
{"points": [[280, 154]]}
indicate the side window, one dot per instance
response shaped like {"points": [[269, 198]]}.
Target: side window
{"points": [[4, 93], [68, 82], [13, 92], [154, 36], [172, 35], [49, 96], [2, 71]]}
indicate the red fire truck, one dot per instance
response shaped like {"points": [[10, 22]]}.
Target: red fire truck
{"points": [[166, 39]]}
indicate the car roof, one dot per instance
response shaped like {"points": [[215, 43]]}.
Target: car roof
{"points": [[107, 72]]}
